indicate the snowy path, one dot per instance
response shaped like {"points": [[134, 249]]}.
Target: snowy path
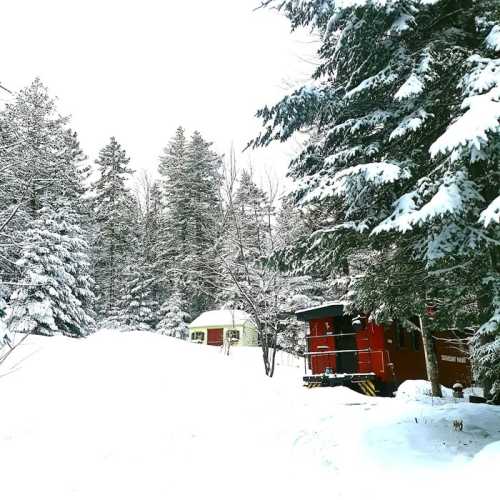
{"points": [[139, 416]]}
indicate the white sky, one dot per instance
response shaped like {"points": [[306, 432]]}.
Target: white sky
{"points": [[138, 69]]}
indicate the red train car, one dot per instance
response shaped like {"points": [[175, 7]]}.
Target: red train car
{"points": [[372, 358]]}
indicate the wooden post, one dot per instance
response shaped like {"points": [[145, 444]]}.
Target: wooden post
{"points": [[430, 359]]}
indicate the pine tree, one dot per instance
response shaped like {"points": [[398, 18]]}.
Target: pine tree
{"points": [[152, 237], [253, 207], [137, 306], [55, 296], [191, 201], [45, 255], [174, 318], [202, 173], [39, 159], [172, 217], [35, 134], [114, 212], [403, 179]]}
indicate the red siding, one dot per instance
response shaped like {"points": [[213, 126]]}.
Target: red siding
{"points": [[392, 354], [372, 337], [409, 364], [453, 360]]}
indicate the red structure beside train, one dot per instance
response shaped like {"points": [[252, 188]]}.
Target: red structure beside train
{"points": [[372, 358]]}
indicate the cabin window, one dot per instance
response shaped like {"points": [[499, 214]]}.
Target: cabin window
{"points": [[233, 335], [198, 337]]}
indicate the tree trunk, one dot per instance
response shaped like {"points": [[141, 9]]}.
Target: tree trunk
{"points": [[430, 359], [273, 355]]}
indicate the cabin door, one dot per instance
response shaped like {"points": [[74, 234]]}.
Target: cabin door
{"points": [[215, 336]]}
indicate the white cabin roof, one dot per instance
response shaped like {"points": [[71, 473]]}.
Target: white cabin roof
{"points": [[223, 317]]}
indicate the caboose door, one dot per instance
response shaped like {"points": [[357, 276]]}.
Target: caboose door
{"points": [[347, 361], [321, 344]]}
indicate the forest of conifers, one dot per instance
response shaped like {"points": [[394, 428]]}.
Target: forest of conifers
{"points": [[395, 208]]}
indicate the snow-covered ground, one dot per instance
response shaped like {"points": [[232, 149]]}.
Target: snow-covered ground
{"points": [[141, 416]]}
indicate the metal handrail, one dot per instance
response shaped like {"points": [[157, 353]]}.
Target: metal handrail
{"points": [[351, 334], [315, 353]]}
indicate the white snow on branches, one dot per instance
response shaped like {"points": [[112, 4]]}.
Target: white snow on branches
{"points": [[343, 155], [384, 77], [412, 87], [415, 84], [350, 180], [389, 4], [451, 197], [484, 75], [410, 123], [371, 121], [447, 199], [471, 129], [402, 23], [492, 213], [402, 217], [375, 173], [493, 39], [482, 102]]}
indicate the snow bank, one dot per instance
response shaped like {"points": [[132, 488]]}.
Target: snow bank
{"points": [[487, 461], [137, 415], [419, 390]]}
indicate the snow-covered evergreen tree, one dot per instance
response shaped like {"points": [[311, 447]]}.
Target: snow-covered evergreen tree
{"points": [[253, 207], [191, 199], [171, 245], [114, 214], [55, 296], [44, 256], [40, 158], [404, 158], [152, 242], [203, 191], [138, 307], [174, 318]]}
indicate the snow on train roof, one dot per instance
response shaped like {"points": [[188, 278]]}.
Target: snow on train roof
{"points": [[321, 306], [221, 318]]}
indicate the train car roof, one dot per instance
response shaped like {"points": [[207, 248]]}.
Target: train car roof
{"points": [[328, 310]]}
